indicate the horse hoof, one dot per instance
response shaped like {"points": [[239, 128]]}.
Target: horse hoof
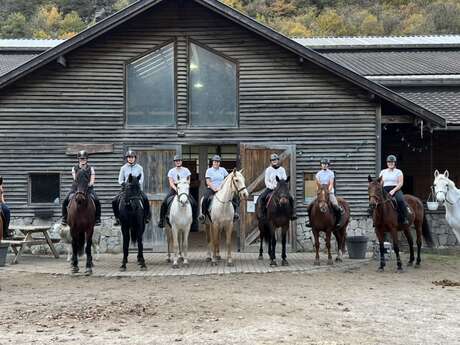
{"points": [[417, 265], [213, 263], [261, 257], [88, 272], [168, 260], [330, 262], [143, 267], [122, 268], [410, 264], [316, 263], [338, 259], [208, 259], [399, 270], [273, 263], [230, 264], [181, 259], [75, 269], [186, 264], [218, 257], [380, 269], [175, 265], [284, 263]]}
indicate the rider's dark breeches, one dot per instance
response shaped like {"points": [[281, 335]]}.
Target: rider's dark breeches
{"points": [[6, 216], [164, 204], [399, 196]]}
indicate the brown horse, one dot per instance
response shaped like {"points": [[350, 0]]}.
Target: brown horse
{"points": [[81, 219], [323, 219], [385, 216]]}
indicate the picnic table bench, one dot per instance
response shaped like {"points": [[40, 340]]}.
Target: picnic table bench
{"points": [[18, 243]]}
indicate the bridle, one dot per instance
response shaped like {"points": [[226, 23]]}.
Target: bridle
{"points": [[237, 191], [378, 198], [181, 194], [445, 195]]}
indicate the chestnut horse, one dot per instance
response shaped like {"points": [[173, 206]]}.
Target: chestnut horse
{"points": [[278, 215], [385, 216], [323, 219], [81, 219]]}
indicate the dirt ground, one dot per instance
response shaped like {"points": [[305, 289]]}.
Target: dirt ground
{"points": [[358, 306]]}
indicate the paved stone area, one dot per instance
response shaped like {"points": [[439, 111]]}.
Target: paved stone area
{"points": [[108, 265]]}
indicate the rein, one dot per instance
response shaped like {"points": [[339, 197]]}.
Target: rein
{"points": [[384, 196], [238, 191]]}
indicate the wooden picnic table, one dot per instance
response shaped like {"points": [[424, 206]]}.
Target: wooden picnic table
{"points": [[18, 243]]}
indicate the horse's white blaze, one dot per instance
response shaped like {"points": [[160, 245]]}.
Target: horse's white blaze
{"points": [[180, 217], [446, 193]]}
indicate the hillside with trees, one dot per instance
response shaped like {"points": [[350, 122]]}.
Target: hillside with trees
{"points": [[295, 18]]}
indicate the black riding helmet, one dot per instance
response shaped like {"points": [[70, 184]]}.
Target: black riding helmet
{"points": [[82, 154], [324, 161], [130, 153], [391, 158]]}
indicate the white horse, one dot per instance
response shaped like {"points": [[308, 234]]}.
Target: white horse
{"points": [[180, 218], [447, 194], [221, 211]]}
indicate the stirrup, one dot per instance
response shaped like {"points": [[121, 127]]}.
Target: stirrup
{"points": [[116, 222], [97, 222], [202, 218], [236, 217]]}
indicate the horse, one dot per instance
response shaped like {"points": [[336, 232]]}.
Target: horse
{"points": [[132, 220], [81, 219], [385, 216], [278, 214], [323, 219], [180, 219], [221, 211], [447, 194]]}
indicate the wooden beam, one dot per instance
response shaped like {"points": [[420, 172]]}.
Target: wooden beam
{"points": [[397, 119], [73, 149]]}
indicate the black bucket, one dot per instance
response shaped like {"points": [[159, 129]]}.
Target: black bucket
{"points": [[3, 252], [357, 247]]}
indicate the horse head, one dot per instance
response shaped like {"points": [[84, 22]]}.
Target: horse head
{"points": [[82, 180], [133, 187], [322, 197], [282, 191], [183, 189], [239, 184], [441, 185], [375, 191]]}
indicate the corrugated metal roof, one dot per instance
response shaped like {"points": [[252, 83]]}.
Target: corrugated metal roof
{"points": [[11, 60], [7, 44], [380, 42]]}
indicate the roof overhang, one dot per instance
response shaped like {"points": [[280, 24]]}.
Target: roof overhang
{"points": [[241, 19]]}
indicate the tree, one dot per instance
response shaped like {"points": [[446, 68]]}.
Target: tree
{"points": [[15, 26]]}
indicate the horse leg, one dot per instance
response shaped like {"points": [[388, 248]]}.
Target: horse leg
{"points": [[228, 238], [125, 234], [410, 241], [261, 250], [394, 235], [418, 228], [175, 246], [328, 246], [209, 240], [215, 243], [74, 264], [185, 235], [140, 251], [380, 236], [89, 257], [169, 239], [283, 245], [218, 257], [316, 236], [339, 238], [273, 249]]}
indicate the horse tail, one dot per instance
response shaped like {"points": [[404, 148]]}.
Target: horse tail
{"points": [[80, 242], [133, 234], [426, 232]]}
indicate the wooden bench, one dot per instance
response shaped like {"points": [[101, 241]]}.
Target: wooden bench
{"points": [[18, 243]]}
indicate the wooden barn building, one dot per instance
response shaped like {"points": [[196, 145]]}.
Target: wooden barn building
{"points": [[193, 77]]}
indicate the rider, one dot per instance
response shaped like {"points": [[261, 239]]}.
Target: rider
{"points": [[392, 181], [273, 171], [82, 165], [215, 176], [6, 212], [183, 173], [327, 177], [135, 169]]}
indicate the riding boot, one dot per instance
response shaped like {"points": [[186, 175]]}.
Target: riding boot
{"points": [[194, 226], [97, 203], [236, 209], [65, 204], [163, 210], [204, 211], [147, 210], [116, 210], [294, 211], [339, 211]]}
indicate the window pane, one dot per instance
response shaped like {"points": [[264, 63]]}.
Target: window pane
{"points": [[213, 93], [151, 95], [44, 188]]}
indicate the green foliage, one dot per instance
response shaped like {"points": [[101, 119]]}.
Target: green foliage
{"points": [[295, 18]]}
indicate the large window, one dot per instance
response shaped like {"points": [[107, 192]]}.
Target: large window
{"points": [[44, 188], [151, 89], [212, 89]]}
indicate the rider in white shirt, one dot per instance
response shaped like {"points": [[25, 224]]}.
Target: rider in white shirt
{"points": [[271, 173], [392, 180]]}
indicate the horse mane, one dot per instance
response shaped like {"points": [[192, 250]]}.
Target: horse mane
{"points": [[133, 188]]}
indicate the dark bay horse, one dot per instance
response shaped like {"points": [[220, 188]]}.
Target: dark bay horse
{"points": [[323, 219], [385, 216], [278, 214], [81, 219], [132, 220]]}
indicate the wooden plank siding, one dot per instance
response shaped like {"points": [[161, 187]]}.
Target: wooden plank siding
{"points": [[281, 100]]}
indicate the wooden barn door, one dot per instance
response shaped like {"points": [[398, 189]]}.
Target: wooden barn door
{"points": [[156, 163], [254, 160]]}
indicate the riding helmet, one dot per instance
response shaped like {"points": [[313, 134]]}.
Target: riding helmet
{"points": [[216, 158], [391, 158], [82, 154], [325, 161], [274, 157], [130, 153], [177, 158]]}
